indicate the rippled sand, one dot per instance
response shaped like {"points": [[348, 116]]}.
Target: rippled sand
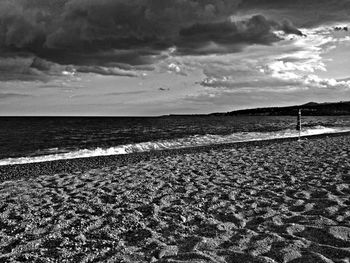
{"points": [[282, 202]]}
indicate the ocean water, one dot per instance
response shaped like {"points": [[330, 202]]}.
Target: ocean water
{"points": [[38, 139]]}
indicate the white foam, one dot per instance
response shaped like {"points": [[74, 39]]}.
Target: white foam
{"points": [[191, 141]]}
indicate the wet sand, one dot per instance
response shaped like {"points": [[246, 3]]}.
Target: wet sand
{"points": [[278, 201]]}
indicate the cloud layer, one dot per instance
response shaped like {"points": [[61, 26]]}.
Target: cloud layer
{"points": [[91, 25], [303, 13], [92, 34], [175, 54], [291, 65]]}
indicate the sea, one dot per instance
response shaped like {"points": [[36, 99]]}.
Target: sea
{"points": [[40, 139]]}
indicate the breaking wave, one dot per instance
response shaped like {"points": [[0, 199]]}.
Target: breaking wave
{"points": [[191, 141]]}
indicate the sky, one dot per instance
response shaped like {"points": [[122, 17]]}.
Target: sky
{"points": [[158, 57]]}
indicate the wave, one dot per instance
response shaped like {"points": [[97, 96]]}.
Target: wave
{"points": [[191, 141]]}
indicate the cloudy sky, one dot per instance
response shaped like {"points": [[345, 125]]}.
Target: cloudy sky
{"points": [[155, 57]]}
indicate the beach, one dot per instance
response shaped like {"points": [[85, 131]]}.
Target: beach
{"points": [[276, 201]]}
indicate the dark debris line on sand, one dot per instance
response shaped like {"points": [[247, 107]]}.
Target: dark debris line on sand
{"points": [[277, 201]]}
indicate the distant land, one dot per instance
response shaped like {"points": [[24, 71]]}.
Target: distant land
{"points": [[308, 109]]}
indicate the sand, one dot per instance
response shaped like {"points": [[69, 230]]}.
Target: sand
{"points": [[282, 201]]}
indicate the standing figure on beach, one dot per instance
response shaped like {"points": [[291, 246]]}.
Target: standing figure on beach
{"points": [[298, 127]]}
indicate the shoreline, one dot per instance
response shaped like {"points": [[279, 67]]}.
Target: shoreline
{"points": [[21, 171]]}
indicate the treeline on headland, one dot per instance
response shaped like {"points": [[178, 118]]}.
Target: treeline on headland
{"points": [[308, 109]]}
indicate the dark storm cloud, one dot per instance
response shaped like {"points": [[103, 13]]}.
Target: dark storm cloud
{"points": [[92, 24], [91, 35], [25, 67], [102, 24], [303, 13], [232, 35], [19, 68], [294, 3], [338, 28], [13, 95], [95, 33]]}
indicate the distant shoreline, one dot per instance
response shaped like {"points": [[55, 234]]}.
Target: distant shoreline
{"points": [[309, 109], [341, 108]]}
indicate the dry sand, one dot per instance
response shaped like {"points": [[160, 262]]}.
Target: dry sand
{"points": [[279, 202]]}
